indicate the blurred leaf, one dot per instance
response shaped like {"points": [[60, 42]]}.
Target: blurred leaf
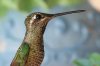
{"points": [[75, 1], [82, 62], [6, 5], [11, 4], [95, 56], [93, 60], [76, 62], [52, 3], [28, 5], [70, 2], [25, 5], [3, 9], [41, 3]]}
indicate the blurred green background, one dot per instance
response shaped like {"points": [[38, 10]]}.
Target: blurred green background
{"points": [[71, 40], [28, 5]]}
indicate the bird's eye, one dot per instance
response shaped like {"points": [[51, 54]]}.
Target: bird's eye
{"points": [[37, 16]]}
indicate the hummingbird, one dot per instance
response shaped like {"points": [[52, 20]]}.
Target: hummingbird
{"points": [[31, 52]]}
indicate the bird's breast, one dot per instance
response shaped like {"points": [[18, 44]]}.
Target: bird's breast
{"points": [[36, 56]]}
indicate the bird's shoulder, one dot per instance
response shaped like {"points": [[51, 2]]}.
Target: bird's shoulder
{"points": [[21, 55]]}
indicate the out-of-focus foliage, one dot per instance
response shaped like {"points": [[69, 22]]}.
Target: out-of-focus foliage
{"points": [[70, 2], [25, 5], [93, 60], [6, 5], [10, 3], [51, 3], [3, 9], [28, 5]]}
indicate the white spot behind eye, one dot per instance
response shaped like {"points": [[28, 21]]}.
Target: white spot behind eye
{"points": [[34, 17], [31, 21]]}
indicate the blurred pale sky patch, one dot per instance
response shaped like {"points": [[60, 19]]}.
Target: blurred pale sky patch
{"points": [[3, 46]]}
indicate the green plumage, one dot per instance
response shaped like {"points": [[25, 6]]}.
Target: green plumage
{"points": [[21, 55]]}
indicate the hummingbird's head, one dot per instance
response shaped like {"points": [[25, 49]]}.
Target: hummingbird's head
{"points": [[39, 20]]}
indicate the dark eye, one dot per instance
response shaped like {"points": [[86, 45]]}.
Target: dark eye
{"points": [[37, 16]]}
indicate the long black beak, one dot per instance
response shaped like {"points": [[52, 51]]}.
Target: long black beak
{"points": [[65, 13]]}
